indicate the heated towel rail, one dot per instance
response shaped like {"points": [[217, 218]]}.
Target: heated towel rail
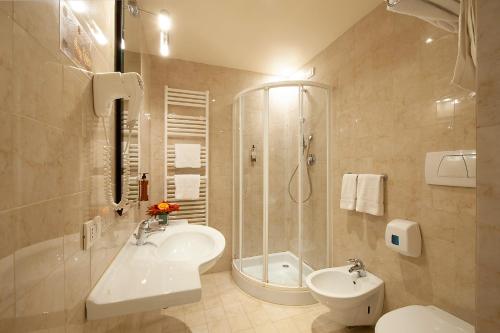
{"points": [[186, 121]]}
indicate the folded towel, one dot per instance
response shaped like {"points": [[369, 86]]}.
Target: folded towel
{"points": [[370, 194], [178, 222], [348, 192], [465, 68], [187, 155], [187, 187], [441, 13]]}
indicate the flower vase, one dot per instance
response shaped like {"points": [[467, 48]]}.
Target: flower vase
{"points": [[163, 219]]}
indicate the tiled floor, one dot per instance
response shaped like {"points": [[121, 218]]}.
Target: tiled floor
{"points": [[225, 308]]}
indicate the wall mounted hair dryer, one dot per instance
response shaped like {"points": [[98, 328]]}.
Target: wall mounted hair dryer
{"points": [[114, 85], [108, 87]]}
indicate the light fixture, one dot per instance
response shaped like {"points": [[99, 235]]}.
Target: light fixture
{"points": [[164, 20], [429, 40], [164, 46]]}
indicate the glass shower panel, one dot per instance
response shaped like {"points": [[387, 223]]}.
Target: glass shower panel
{"points": [[314, 176], [251, 175], [283, 252]]}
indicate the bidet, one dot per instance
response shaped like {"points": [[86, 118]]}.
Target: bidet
{"points": [[353, 300]]}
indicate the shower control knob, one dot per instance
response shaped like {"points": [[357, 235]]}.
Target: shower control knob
{"points": [[311, 159], [253, 154]]}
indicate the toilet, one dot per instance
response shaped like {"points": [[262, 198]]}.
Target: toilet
{"points": [[421, 319]]}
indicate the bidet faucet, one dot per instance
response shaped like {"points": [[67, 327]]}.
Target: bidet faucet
{"points": [[144, 231], [358, 266]]}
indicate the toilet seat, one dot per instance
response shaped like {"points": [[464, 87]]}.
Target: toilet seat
{"points": [[421, 319]]}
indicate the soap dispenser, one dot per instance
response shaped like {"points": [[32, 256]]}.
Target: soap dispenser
{"points": [[404, 236], [143, 194]]}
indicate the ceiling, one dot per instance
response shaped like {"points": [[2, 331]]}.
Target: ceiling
{"points": [[267, 36]]}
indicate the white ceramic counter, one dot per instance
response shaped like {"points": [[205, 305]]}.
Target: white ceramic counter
{"points": [[161, 273]]}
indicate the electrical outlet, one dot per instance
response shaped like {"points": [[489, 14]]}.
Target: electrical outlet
{"points": [[91, 232]]}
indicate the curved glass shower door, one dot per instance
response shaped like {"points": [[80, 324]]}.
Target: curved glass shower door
{"points": [[280, 192], [283, 238], [251, 114]]}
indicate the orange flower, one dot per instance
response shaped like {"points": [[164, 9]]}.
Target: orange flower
{"points": [[163, 206]]}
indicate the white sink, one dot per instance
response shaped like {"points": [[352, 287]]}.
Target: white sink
{"points": [[352, 300], [163, 272]]}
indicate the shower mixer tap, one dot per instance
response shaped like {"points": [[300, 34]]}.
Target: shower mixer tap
{"points": [[253, 154]]}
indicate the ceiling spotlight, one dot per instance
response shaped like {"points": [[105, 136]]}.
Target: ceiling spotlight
{"points": [[164, 21], [429, 40]]}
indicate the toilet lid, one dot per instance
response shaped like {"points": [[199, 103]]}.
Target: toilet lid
{"points": [[421, 319]]}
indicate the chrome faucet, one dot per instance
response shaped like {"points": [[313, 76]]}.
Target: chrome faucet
{"points": [[358, 266], [145, 230]]}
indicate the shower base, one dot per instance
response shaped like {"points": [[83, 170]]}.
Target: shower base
{"points": [[283, 286]]}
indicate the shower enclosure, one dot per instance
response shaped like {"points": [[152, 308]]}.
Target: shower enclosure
{"points": [[280, 188]]}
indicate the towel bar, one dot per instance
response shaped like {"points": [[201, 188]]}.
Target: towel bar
{"points": [[383, 175]]}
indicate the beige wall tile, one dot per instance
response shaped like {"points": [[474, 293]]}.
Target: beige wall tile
{"points": [[10, 194], [7, 248], [37, 79], [6, 7], [41, 20], [49, 151], [6, 59], [488, 190], [385, 114], [77, 285]]}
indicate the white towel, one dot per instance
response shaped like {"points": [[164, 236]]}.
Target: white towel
{"points": [[465, 68], [370, 194], [187, 187], [178, 222], [348, 192], [441, 13], [187, 155]]}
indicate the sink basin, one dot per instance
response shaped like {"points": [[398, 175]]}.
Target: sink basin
{"points": [[353, 300], [199, 245], [163, 272]]}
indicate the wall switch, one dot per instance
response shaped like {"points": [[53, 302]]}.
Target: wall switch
{"points": [[91, 232]]}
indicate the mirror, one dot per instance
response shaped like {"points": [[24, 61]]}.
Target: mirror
{"points": [[133, 164]]}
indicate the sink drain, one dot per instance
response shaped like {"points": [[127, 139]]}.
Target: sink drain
{"points": [[285, 265]]}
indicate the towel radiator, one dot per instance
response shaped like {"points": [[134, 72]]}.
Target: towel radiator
{"points": [[186, 121]]}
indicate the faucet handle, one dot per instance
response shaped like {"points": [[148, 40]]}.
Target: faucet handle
{"points": [[144, 225], [356, 261]]}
